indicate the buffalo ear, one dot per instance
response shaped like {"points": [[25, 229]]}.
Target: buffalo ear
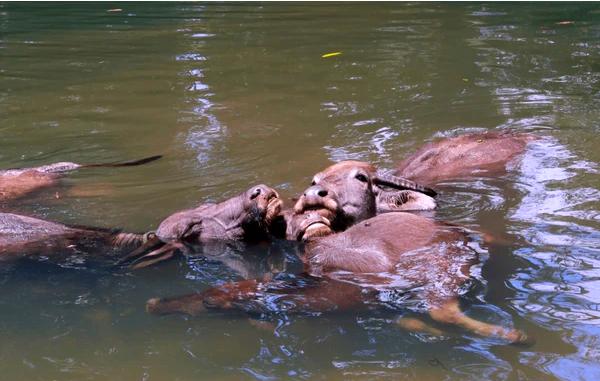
{"points": [[180, 226], [384, 178], [403, 200]]}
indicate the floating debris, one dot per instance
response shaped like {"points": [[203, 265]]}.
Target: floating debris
{"points": [[333, 54], [565, 22], [114, 10]]}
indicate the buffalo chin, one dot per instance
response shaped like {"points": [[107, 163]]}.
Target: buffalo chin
{"points": [[315, 230]]}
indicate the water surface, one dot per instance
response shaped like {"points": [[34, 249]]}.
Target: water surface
{"points": [[234, 95]]}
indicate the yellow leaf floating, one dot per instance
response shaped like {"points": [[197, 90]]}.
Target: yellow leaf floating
{"points": [[333, 54], [114, 10]]}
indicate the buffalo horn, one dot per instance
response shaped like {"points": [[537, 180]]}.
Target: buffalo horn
{"points": [[385, 178]]}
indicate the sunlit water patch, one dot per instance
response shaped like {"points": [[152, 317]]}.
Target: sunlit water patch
{"points": [[562, 286]]}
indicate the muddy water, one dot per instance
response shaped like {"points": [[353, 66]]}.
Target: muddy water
{"points": [[235, 95]]}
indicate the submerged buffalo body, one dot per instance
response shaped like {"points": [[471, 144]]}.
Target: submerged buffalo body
{"points": [[372, 254], [390, 252], [17, 183], [22, 236], [486, 153], [246, 217], [356, 190]]}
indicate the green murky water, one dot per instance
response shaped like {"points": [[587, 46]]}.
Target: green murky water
{"points": [[235, 95]]}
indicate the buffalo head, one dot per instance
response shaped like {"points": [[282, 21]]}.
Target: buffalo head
{"points": [[355, 191], [245, 217]]}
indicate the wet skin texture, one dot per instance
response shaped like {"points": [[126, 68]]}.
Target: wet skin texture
{"points": [[243, 218], [357, 190], [22, 236], [392, 251], [463, 156], [18, 183], [369, 255]]}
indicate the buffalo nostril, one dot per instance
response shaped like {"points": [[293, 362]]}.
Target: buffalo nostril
{"points": [[255, 193], [322, 193], [271, 194]]}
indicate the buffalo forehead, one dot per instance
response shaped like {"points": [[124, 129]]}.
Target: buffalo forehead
{"points": [[345, 166]]}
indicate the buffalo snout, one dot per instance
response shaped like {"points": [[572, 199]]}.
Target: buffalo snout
{"points": [[264, 191], [317, 197], [315, 194], [266, 200]]}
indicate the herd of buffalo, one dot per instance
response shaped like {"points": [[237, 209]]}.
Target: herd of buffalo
{"points": [[358, 227]]}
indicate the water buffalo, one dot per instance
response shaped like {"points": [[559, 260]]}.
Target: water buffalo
{"points": [[357, 190], [22, 236], [485, 153], [17, 183], [391, 253], [246, 217]]}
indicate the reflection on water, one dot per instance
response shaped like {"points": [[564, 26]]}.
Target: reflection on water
{"points": [[238, 94], [206, 131], [553, 218]]}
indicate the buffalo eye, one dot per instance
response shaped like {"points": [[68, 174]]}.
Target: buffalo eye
{"points": [[255, 193], [361, 177], [312, 183]]}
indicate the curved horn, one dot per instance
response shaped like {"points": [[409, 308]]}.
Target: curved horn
{"points": [[386, 178]]}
